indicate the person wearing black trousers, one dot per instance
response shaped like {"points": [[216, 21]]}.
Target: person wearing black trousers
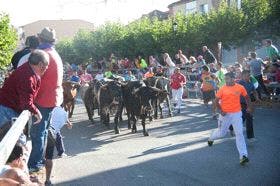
{"points": [[255, 65], [246, 116]]}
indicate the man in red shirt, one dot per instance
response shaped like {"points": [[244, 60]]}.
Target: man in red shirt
{"points": [[178, 80], [21, 87], [49, 96]]}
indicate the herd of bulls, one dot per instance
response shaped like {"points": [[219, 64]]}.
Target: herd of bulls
{"points": [[141, 99]]}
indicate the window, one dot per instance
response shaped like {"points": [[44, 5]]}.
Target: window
{"points": [[203, 8], [191, 7]]}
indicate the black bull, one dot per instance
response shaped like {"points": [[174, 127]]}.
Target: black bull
{"points": [[161, 83], [90, 98], [110, 95], [138, 102]]}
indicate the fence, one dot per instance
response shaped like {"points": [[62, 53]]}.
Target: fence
{"points": [[8, 142]]}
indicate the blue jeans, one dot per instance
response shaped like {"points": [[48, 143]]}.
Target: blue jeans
{"points": [[6, 114], [39, 134]]}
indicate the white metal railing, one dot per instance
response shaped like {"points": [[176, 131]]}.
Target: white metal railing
{"points": [[8, 142]]}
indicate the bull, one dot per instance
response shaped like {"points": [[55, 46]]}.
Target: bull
{"points": [[138, 103], [69, 96], [110, 96], [161, 83]]}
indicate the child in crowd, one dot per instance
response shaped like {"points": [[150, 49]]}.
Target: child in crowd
{"points": [[208, 88], [59, 118]]}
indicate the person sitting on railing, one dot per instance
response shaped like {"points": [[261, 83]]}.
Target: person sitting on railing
{"points": [[109, 74], [153, 62], [127, 63], [159, 71], [75, 78], [192, 60], [85, 78], [183, 59], [21, 87], [149, 74], [99, 76], [199, 64], [129, 76]]}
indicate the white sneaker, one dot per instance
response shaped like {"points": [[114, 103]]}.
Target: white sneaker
{"points": [[62, 155], [251, 140]]}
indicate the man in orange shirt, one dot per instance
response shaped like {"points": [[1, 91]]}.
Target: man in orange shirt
{"points": [[228, 101]]}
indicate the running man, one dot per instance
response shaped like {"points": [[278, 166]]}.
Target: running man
{"points": [[228, 102]]}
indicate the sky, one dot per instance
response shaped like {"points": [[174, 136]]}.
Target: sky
{"points": [[23, 12]]}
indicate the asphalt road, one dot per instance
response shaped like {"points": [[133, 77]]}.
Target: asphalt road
{"points": [[175, 153]]}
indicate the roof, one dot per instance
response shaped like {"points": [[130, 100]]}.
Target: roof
{"points": [[63, 28], [157, 13], [178, 3]]}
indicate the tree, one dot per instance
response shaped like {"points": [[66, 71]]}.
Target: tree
{"points": [[8, 39], [67, 52]]}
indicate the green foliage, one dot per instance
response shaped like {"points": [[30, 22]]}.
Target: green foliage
{"points": [[8, 38], [150, 37], [66, 50], [227, 24], [256, 11]]}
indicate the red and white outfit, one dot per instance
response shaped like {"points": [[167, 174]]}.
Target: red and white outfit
{"points": [[177, 82]]}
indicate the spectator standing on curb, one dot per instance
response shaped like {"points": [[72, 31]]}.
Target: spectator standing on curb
{"points": [[49, 95], [228, 102]]}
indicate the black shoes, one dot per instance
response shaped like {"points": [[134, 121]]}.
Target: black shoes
{"points": [[210, 143], [244, 160], [179, 111]]}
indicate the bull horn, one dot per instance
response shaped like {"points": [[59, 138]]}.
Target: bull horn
{"points": [[155, 89], [135, 91]]}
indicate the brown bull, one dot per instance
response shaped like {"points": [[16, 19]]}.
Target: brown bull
{"points": [[69, 95]]}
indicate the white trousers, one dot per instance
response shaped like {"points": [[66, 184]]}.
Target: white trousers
{"points": [[177, 95], [234, 119]]}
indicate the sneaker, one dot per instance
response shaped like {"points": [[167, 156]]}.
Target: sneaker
{"points": [[62, 155], [35, 170], [179, 111], [210, 143], [244, 160], [214, 117], [232, 133]]}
